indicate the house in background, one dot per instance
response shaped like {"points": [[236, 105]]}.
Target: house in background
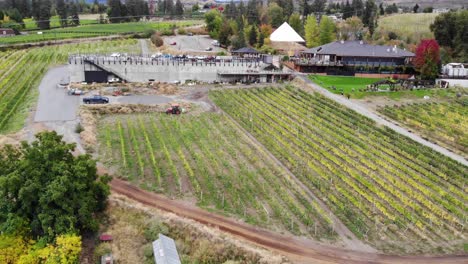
{"points": [[354, 57], [6, 32]]}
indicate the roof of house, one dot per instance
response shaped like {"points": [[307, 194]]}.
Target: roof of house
{"points": [[359, 49], [7, 30], [245, 50], [165, 251], [285, 33]]}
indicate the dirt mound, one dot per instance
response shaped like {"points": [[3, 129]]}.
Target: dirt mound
{"points": [[88, 123], [9, 140], [144, 88]]}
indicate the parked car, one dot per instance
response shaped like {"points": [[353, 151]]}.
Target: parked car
{"points": [[209, 49], [113, 79], [115, 55], [215, 43], [190, 34], [74, 91], [96, 99], [156, 55], [173, 43]]}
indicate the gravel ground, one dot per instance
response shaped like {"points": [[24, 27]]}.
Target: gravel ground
{"points": [[195, 43]]}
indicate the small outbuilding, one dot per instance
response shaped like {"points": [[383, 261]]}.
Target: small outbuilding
{"points": [[165, 251], [455, 70], [6, 32], [246, 52]]}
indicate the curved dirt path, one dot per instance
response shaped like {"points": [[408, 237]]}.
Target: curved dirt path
{"points": [[379, 120], [298, 250]]}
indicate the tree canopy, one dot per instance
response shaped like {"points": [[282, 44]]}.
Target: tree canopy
{"points": [[45, 190], [451, 32], [327, 30], [312, 32], [427, 58]]}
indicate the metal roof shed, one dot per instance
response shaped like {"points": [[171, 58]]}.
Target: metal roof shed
{"points": [[165, 251]]}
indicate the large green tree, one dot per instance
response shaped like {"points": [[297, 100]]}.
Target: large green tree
{"points": [[114, 12], [41, 13], [369, 16], [296, 23], [312, 32], [61, 9], [73, 11], [327, 30], [179, 8], [451, 32], [275, 15], [213, 20], [45, 190]]}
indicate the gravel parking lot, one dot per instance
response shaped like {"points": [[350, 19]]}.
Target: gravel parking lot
{"points": [[195, 43]]}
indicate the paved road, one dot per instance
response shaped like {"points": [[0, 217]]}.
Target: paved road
{"points": [[54, 103], [379, 120], [144, 47], [195, 43]]}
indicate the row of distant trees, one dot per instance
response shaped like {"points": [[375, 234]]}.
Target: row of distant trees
{"points": [[41, 11], [252, 23]]}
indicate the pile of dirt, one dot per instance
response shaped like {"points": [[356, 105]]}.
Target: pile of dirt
{"points": [[9, 140], [143, 88], [132, 108], [88, 123]]}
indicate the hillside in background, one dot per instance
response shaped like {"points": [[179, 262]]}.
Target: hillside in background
{"points": [[422, 3], [409, 28]]}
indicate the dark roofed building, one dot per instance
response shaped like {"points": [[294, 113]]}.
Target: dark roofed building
{"points": [[352, 55], [359, 53], [6, 32], [246, 52]]}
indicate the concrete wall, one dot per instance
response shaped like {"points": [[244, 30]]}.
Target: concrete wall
{"points": [[163, 71]]}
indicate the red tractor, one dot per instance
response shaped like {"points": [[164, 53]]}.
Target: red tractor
{"points": [[175, 109]]}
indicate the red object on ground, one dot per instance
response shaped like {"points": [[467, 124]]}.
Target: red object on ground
{"points": [[105, 237]]}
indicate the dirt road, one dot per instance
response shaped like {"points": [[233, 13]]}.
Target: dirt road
{"points": [[298, 250]]}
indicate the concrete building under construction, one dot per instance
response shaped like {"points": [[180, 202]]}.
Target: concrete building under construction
{"points": [[100, 69]]}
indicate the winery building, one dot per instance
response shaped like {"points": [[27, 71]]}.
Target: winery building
{"points": [[350, 57]]}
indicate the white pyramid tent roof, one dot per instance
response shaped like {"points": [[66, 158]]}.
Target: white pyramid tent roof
{"points": [[285, 33]]}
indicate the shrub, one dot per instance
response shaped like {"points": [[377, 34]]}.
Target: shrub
{"points": [[79, 128], [392, 35], [167, 32], [182, 31], [157, 40], [148, 33]]}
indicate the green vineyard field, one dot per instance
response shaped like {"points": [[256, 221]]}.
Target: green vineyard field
{"points": [[446, 123], [388, 189], [22, 70], [206, 158]]}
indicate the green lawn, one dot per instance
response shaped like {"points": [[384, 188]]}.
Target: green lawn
{"points": [[346, 84]]}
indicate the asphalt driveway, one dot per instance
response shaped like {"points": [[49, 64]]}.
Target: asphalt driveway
{"points": [[54, 103]]}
